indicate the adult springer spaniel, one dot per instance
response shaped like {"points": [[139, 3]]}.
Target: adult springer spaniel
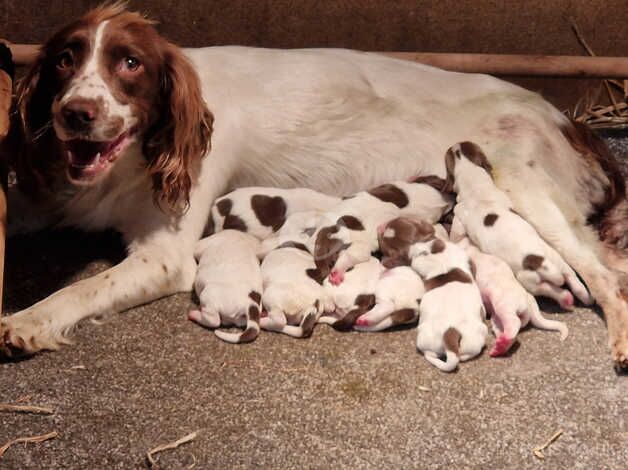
{"points": [[114, 124]]}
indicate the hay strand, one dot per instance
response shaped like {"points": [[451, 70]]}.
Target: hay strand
{"points": [[28, 440], [173, 445], [38, 410], [538, 451]]}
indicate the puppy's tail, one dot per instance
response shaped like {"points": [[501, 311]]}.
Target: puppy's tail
{"points": [[251, 331], [451, 338], [537, 319]]}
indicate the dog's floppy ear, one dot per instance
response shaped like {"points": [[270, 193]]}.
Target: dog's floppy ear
{"points": [[181, 136], [450, 165], [389, 262]]}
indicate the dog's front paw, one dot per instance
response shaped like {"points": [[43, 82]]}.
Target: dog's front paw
{"points": [[619, 349], [26, 333]]}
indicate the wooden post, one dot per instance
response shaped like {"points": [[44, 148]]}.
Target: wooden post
{"points": [[6, 92]]}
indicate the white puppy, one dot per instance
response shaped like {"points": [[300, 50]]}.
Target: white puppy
{"points": [[397, 297], [260, 211], [485, 215], [292, 297], [228, 284], [511, 307], [354, 296]]}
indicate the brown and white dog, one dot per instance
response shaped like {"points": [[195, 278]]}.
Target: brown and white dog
{"points": [[113, 126], [263, 211], [294, 301], [486, 215], [509, 305], [228, 284]]}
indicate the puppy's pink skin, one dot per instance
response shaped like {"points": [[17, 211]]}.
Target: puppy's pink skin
{"points": [[194, 315], [502, 345], [336, 277]]}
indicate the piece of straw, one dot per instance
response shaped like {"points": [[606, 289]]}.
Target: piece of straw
{"points": [[38, 410], [172, 445], [41, 438], [538, 451]]}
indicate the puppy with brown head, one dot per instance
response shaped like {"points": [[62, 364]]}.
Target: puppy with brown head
{"points": [[485, 214], [397, 236]]}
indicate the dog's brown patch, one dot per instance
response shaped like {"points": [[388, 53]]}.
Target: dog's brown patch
{"points": [[351, 222], [407, 232], [532, 262], [224, 206], [254, 313], [472, 268], [436, 182], [454, 275], [327, 249], [390, 193], [270, 211], [309, 231], [474, 153], [307, 325], [403, 316], [452, 338], [450, 167], [315, 274], [438, 246], [255, 296], [233, 222], [390, 263], [490, 219], [363, 303], [291, 244]]}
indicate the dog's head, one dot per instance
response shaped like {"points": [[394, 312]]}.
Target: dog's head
{"points": [[102, 85], [464, 150], [396, 237]]}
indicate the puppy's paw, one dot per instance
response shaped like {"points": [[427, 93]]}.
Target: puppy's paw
{"points": [[619, 349], [501, 346], [26, 333]]}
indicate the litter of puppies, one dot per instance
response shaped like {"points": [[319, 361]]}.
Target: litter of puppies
{"points": [[284, 260]]}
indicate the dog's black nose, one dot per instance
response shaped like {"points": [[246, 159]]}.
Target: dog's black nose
{"points": [[80, 113]]}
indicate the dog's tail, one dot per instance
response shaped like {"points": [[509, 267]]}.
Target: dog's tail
{"points": [[252, 328], [451, 338], [306, 327], [537, 319]]}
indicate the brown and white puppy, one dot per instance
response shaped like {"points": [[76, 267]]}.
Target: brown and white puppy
{"points": [[397, 297], [486, 215], [511, 307], [355, 296], [451, 311], [293, 299], [262, 211], [228, 284]]}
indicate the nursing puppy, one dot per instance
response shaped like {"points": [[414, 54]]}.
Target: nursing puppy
{"points": [[485, 214], [355, 296], [351, 235], [228, 284], [292, 298], [260, 211], [397, 297], [511, 307], [451, 310]]}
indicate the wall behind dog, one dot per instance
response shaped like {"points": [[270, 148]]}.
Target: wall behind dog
{"points": [[490, 26]]}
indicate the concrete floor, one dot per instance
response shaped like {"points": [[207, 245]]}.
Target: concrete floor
{"points": [[336, 400]]}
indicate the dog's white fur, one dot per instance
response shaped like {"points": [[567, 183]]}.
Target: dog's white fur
{"points": [[454, 305], [296, 200], [510, 306], [293, 300], [398, 292], [228, 272], [336, 121], [299, 227], [510, 238]]}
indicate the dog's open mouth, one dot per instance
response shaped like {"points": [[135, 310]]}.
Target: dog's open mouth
{"points": [[88, 158]]}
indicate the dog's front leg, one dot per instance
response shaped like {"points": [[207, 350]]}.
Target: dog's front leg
{"points": [[147, 274]]}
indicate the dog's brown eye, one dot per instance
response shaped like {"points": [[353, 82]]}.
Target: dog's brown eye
{"points": [[131, 63], [65, 60]]}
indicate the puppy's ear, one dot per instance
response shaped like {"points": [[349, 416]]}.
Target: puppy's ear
{"points": [[315, 274], [474, 153], [390, 262], [181, 136], [450, 166]]}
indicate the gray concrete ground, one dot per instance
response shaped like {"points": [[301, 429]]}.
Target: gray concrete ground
{"points": [[353, 400]]}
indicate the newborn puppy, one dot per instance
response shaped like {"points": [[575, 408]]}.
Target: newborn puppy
{"points": [[451, 311], [228, 284], [485, 215], [511, 307], [397, 297], [292, 298], [260, 211], [354, 296]]}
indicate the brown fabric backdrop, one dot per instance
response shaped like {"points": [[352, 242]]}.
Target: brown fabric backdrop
{"points": [[492, 26]]}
